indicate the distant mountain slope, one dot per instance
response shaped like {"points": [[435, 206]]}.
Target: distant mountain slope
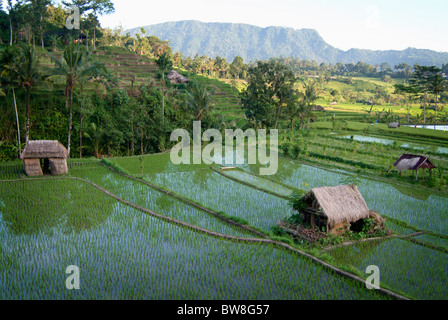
{"points": [[253, 43]]}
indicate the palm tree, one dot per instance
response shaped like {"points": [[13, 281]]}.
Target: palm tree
{"points": [[178, 59], [437, 85], [309, 97], [410, 92], [28, 72], [222, 66], [95, 135], [418, 117], [198, 100], [8, 74], [74, 66], [210, 66], [421, 80], [100, 7], [164, 63], [294, 107]]}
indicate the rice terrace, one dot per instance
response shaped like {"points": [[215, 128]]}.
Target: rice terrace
{"points": [[134, 165]]}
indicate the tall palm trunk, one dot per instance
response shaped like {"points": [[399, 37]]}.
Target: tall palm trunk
{"points": [[94, 37], [80, 136], [409, 113], [435, 114], [132, 134], [17, 121], [41, 33], [163, 96], [424, 111], [81, 118], [277, 115], [70, 120], [27, 134], [141, 142]]}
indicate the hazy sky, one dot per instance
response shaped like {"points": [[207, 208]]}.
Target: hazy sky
{"points": [[345, 24]]}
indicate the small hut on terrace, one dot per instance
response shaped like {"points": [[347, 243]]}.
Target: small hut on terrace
{"points": [[394, 125], [44, 156], [413, 162], [176, 78], [336, 208], [318, 108]]}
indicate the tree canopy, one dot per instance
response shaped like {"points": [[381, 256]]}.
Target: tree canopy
{"points": [[270, 86]]}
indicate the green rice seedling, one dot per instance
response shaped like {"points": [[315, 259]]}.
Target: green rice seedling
{"points": [[153, 163], [30, 206], [131, 255], [155, 200], [260, 182], [10, 171], [404, 266], [398, 229], [434, 240], [214, 191]]}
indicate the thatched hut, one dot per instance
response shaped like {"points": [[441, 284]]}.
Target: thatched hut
{"points": [[44, 156], [394, 125], [334, 208], [318, 108], [176, 78], [413, 162]]}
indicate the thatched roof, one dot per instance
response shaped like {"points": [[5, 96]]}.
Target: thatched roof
{"points": [[340, 204], [318, 108], [176, 78], [36, 149], [413, 162], [394, 125]]}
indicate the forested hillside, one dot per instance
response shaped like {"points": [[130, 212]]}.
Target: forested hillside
{"points": [[252, 43]]}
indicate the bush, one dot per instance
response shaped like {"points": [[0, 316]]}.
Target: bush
{"points": [[296, 151], [277, 231], [296, 200], [286, 147]]}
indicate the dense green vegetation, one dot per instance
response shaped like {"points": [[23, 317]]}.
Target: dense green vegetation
{"points": [[117, 97]]}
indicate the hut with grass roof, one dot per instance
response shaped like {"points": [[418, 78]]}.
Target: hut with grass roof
{"points": [[394, 125], [44, 157], [318, 108], [413, 162], [335, 208], [176, 78]]}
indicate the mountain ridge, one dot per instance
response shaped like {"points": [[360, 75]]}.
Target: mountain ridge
{"points": [[253, 43]]}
